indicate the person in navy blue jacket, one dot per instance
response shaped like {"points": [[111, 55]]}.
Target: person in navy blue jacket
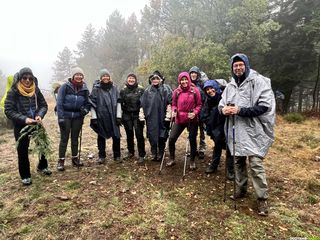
{"points": [[214, 122], [72, 106]]}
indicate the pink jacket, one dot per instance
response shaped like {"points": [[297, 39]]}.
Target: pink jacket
{"points": [[186, 100]]}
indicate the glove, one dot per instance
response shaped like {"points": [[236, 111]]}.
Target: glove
{"points": [[62, 123], [83, 111], [167, 124], [119, 122], [141, 123], [94, 125]]}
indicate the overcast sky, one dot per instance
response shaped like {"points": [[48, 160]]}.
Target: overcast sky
{"points": [[34, 31]]}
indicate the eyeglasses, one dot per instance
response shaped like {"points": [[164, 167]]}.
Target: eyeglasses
{"points": [[27, 78], [236, 65]]}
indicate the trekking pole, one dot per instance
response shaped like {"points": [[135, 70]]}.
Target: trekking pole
{"points": [[187, 148], [225, 169], [79, 152], [166, 146], [234, 161]]}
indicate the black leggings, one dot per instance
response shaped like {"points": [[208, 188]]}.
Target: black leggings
{"points": [[23, 158], [69, 125], [176, 131], [129, 126]]}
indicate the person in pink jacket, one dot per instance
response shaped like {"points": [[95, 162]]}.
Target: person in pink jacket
{"points": [[186, 106]]}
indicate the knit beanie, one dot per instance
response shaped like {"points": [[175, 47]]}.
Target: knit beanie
{"points": [[76, 70], [102, 72], [24, 71]]}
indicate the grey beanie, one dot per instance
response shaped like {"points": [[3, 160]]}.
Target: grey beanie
{"points": [[102, 72], [25, 70], [76, 70]]}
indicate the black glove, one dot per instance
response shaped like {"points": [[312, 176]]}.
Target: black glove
{"points": [[119, 122], [62, 123], [83, 111], [141, 123], [94, 125], [167, 124]]}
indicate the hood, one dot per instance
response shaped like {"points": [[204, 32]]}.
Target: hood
{"points": [[243, 58], [196, 70], [17, 77], [212, 83], [184, 74], [156, 73]]}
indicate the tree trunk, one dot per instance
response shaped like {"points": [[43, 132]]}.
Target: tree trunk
{"points": [[300, 99], [315, 90]]}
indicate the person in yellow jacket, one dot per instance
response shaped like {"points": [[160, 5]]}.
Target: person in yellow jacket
{"points": [[9, 124], [8, 86]]}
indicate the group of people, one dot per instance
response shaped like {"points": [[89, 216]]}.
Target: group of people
{"points": [[239, 118]]}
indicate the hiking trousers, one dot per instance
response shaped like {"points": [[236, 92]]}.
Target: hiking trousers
{"points": [[258, 174]]}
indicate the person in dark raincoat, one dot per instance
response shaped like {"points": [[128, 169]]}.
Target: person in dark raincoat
{"points": [[72, 106], [104, 100], [156, 103], [214, 122], [25, 105], [130, 96]]}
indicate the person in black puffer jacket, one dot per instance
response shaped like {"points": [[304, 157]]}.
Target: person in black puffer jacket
{"points": [[72, 106], [130, 102], [214, 122], [26, 105]]}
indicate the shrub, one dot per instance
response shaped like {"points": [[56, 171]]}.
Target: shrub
{"points": [[294, 117]]}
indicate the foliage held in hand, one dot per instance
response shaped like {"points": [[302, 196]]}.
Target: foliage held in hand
{"points": [[39, 139]]}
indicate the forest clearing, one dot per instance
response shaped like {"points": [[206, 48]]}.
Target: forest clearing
{"points": [[128, 201]]}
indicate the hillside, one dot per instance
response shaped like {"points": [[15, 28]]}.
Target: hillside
{"points": [[127, 201]]}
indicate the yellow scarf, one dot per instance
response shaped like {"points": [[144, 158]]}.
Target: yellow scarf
{"points": [[26, 91]]}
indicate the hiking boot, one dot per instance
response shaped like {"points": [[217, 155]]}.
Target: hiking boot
{"points": [[230, 176], [128, 156], [141, 160], [155, 158], [45, 171], [160, 155], [171, 162], [201, 155], [262, 207], [238, 195], [101, 161], [193, 165], [60, 166], [117, 160], [76, 162], [211, 169], [26, 181]]}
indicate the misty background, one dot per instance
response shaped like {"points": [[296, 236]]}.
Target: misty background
{"points": [[280, 37]]}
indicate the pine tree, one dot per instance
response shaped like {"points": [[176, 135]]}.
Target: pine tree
{"points": [[62, 66]]}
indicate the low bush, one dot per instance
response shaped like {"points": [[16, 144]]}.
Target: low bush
{"points": [[294, 117]]}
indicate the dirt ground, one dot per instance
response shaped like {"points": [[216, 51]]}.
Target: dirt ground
{"points": [[128, 201]]}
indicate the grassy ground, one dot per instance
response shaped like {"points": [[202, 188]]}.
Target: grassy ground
{"points": [[127, 201]]}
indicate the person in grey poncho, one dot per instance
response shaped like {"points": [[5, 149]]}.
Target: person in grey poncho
{"points": [[254, 115]]}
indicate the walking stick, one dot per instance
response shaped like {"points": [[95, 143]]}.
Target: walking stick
{"points": [[79, 151], [187, 148], [225, 169], [166, 146], [234, 161]]}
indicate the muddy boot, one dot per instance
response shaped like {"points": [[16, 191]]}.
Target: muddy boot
{"points": [[160, 155], [101, 160], [262, 207], [141, 161], [211, 169], [171, 162], [76, 161], [60, 165], [128, 156], [193, 165]]}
